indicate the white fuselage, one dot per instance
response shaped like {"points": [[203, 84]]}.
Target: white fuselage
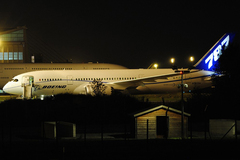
{"points": [[9, 70], [77, 79], [133, 80]]}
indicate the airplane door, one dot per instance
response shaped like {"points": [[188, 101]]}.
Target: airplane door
{"points": [[27, 84], [27, 80], [69, 80]]}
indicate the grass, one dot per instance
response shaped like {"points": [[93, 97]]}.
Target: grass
{"points": [[121, 149]]}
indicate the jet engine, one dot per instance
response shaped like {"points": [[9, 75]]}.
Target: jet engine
{"points": [[89, 90]]}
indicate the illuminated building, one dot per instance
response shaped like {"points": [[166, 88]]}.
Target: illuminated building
{"points": [[13, 45]]}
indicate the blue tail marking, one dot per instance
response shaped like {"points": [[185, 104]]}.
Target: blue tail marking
{"points": [[210, 59]]}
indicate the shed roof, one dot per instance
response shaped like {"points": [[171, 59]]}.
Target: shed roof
{"points": [[158, 108]]}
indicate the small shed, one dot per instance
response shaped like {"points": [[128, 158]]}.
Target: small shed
{"points": [[63, 129], [223, 128], [160, 122]]}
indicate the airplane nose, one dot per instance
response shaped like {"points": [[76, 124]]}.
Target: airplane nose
{"points": [[5, 87], [12, 88]]}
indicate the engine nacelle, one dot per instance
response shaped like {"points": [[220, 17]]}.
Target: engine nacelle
{"points": [[89, 90]]}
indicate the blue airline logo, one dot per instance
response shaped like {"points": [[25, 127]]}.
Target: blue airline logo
{"points": [[210, 59], [214, 56], [49, 86]]}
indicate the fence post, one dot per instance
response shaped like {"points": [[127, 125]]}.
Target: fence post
{"points": [[147, 130]]}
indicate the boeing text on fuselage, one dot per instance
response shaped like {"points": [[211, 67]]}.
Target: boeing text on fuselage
{"points": [[49, 86]]}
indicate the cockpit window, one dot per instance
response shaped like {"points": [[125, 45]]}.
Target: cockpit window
{"points": [[15, 80]]}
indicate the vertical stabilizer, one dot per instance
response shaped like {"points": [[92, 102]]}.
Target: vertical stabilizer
{"points": [[210, 59]]}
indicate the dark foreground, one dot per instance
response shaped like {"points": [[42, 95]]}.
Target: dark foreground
{"points": [[121, 149]]}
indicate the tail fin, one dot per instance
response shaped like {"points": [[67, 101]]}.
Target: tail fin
{"points": [[210, 59]]}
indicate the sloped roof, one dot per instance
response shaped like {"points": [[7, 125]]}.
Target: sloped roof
{"points": [[158, 108], [9, 30]]}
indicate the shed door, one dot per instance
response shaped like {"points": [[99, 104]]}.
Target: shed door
{"points": [[162, 126]]}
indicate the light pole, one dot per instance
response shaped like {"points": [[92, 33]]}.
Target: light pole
{"points": [[182, 85], [182, 106], [153, 66], [172, 60], [191, 60]]}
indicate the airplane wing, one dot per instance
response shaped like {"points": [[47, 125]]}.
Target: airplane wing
{"points": [[139, 81]]}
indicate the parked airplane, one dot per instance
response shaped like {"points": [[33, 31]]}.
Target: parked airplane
{"points": [[40, 83], [9, 70]]}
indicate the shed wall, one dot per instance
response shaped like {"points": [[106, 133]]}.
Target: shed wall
{"points": [[174, 125], [219, 127]]}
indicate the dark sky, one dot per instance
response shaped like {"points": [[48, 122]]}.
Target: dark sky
{"points": [[130, 33]]}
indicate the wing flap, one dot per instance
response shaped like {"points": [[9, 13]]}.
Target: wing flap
{"points": [[140, 81]]}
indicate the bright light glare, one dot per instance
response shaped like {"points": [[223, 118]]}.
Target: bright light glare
{"points": [[191, 58], [172, 60], [156, 65]]}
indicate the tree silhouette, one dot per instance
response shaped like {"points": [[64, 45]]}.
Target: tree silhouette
{"points": [[227, 89], [98, 87]]}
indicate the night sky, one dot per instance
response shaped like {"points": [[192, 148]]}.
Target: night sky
{"points": [[130, 33]]}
